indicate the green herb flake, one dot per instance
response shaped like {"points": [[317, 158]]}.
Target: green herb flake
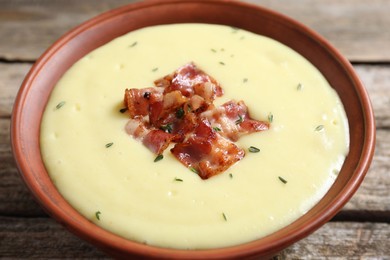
{"points": [[217, 129], [239, 120], [270, 117], [245, 80], [133, 44], [319, 128], [97, 215], [194, 170], [159, 158], [282, 180], [224, 216], [253, 149], [234, 29], [167, 128], [154, 69], [180, 113], [213, 50], [231, 175], [299, 86], [222, 63], [122, 110], [108, 145], [61, 104], [178, 179]]}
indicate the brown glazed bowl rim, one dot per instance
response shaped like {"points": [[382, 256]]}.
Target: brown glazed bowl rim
{"points": [[40, 80]]}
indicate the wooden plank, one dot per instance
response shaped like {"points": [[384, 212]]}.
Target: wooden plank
{"points": [[358, 28], [373, 194], [44, 238]]}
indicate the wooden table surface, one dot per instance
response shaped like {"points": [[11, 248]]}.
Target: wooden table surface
{"points": [[360, 29]]}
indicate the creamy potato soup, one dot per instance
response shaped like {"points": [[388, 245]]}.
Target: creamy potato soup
{"points": [[112, 179]]}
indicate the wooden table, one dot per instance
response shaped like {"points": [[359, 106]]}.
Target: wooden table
{"points": [[358, 28]]}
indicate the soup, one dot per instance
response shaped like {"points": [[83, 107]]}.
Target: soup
{"points": [[113, 180]]}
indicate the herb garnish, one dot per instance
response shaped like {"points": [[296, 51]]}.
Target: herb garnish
{"points": [[194, 170], [245, 80], [158, 158], [234, 29], [282, 180], [270, 117], [213, 50], [178, 179], [109, 144], [217, 129], [299, 87], [167, 128], [222, 63], [224, 216], [133, 44], [122, 110], [61, 104], [154, 69], [180, 113], [231, 175], [319, 128], [239, 120], [253, 149], [97, 215]]}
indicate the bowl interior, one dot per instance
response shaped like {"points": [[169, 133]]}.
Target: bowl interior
{"points": [[36, 89]]}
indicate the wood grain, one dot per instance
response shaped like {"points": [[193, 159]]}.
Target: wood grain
{"points": [[358, 28], [39, 238]]}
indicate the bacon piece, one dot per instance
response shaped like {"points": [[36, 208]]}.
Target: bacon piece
{"points": [[154, 139], [137, 101], [190, 80], [207, 152], [233, 119]]}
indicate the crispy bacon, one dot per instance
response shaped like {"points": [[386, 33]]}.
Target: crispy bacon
{"points": [[233, 119], [207, 152], [180, 110], [190, 80]]}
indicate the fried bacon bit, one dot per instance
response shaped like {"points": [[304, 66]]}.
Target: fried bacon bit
{"points": [[180, 110]]}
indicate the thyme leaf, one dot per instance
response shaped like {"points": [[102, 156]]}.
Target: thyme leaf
{"points": [[239, 120], [154, 69], [253, 149], [270, 117], [108, 145], [158, 158], [319, 128], [122, 110], [61, 104], [180, 113], [178, 179], [97, 215], [217, 129], [245, 80], [194, 170], [133, 44], [282, 180], [222, 63], [167, 128], [224, 216], [299, 87]]}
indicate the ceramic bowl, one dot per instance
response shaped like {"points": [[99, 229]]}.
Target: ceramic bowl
{"points": [[36, 88]]}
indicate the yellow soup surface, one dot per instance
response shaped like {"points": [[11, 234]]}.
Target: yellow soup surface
{"points": [[123, 190]]}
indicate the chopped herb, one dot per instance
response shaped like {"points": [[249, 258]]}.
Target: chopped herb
{"points": [[231, 175], [222, 63], [158, 158], [213, 50], [299, 87], [239, 120], [224, 216], [253, 149], [97, 215], [245, 80], [122, 110], [133, 44], [270, 117], [194, 170], [282, 180], [189, 108], [217, 129], [147, 95], [242, 37], [222, 49], [109, 144], [177, 179], [155, 69], [319, 128], [180, 113], [61, 104], [167, 128]]}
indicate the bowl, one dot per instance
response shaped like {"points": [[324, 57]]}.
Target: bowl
{"points": [[36, 88]]}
